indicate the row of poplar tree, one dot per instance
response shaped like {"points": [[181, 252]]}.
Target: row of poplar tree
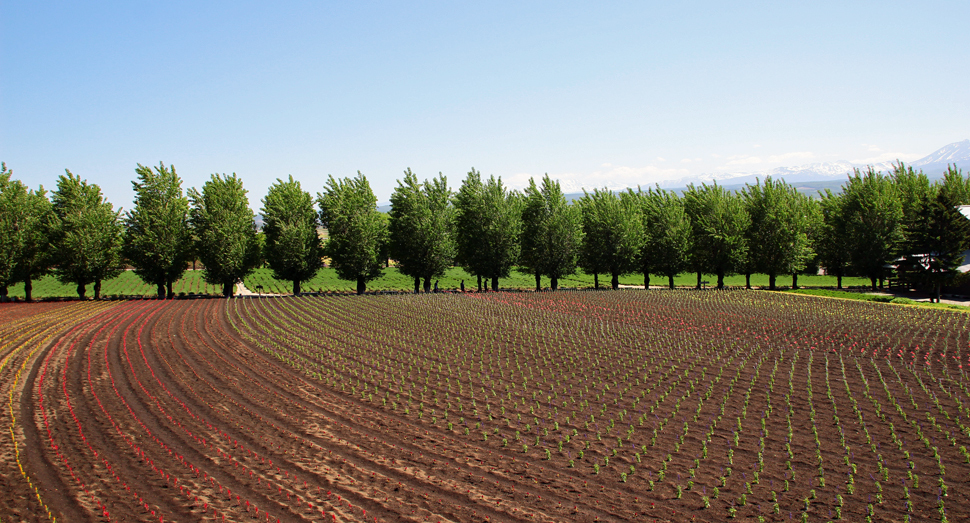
{"points": [[899, 218]]}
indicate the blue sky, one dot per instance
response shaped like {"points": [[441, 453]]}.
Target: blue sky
{"points": [[628, 92]]}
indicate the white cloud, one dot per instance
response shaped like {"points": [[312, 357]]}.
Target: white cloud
{"points": [[798, 155], [661, 159], [747, 160], [743, 159]]}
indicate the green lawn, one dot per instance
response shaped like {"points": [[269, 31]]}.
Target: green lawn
{"points": [[327, 281], [126, 284], [862, 296]]}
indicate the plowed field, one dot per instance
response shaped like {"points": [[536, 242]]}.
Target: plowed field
{"points": [[568, 406]]}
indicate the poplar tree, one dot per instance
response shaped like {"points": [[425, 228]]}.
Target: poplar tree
{"points": [[719, 222], [225, 231], [777, 235], [832, 242], [158, 240], [488, 224], [293, 249], [551, 233], [612, 234], [86, 234], [357, 232], [421, 228], [34, 259], [874, 221], [13, 196], [667, 234]]}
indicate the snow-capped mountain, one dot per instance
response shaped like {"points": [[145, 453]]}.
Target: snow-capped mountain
{"points": [[934, 165]]}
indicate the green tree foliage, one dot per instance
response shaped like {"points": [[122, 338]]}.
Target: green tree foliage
{"points": [[719, 222], [777, 235], [934, 245], [86, 234], [667, 233], [488, 224], [612, 233], [348, 209], [552, 233], [10, 194], [955, 186], [24, 215], [814, 230], [874, 221], [421, 228], [915, 192], [832, 242], [225, 231], [293, 249], [158, 241]]}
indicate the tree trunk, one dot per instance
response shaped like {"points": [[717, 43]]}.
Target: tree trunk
{"points": [[3, 294], [646, 281], [937, 291], [554, 283], [227, 289], [699, 275], [872, 280], [160, 289], [596, 280], [81, 291], [615, 281], [838, 281], [794, 280], [171, 289], [880, 283], [479, 283], [495, 283], [417, 285], [670, 281], [97, 290], [771, 281], [720, 279], [28, 289], [361, 285], [296, 287], [427, 285], [747, 281], [538, 282]]}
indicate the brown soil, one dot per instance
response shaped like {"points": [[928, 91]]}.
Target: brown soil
{"points": [[333, 409]]}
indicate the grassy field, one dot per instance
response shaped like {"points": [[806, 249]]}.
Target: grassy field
{"points": [[128, 284], [327, 281], [861, 296]]}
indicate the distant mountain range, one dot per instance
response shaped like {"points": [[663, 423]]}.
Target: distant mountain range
{"points": [[933, 165], [809, 178]]}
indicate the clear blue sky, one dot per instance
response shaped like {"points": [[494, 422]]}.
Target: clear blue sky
{"points": [[632, 92]]}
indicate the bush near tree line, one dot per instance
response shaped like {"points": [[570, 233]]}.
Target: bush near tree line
{"points": [[896, 224]]}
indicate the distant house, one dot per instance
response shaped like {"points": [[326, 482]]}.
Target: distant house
{"points": [[962, 283]]}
